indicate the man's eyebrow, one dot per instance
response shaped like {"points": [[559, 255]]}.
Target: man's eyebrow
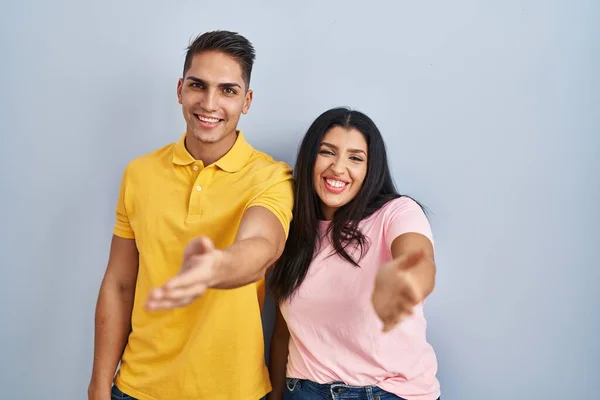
{"points": [[229, 85], [193, 78], [221, 85]]}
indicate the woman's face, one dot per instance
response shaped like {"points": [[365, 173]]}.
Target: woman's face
{"points": [[340, 168]]}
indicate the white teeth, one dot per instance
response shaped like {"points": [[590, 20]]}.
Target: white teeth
{"points": [[335, 184], [209, 120]]}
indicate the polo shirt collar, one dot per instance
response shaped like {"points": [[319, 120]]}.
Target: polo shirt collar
{"points": [[180, 154], [237, 157], [233, 161]]}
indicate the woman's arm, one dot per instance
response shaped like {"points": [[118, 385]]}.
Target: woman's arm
{"points": [[422, 272], [278, 356], [406, 280]]}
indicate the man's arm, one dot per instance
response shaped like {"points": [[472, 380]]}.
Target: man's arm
{"points": [[113, 315], [259, 243]]}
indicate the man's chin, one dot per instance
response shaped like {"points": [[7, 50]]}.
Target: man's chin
{"points": [[207, 137]]}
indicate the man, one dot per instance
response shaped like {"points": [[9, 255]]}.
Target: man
{"points": [[198, 223]]}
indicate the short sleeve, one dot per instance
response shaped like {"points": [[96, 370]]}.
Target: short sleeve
{"points": [[278, 196], [404, 215], [122, 228]]}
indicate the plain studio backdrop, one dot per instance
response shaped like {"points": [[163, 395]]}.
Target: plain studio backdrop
{"points": [[490, 112]]}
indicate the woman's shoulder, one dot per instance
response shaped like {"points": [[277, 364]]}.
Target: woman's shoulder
{"points": [[398, 205]]}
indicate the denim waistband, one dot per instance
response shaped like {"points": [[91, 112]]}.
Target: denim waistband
{"points": [[339, 390]]}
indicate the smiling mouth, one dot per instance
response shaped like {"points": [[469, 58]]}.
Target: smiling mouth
{"points": [[207, 120], [334, 185]]}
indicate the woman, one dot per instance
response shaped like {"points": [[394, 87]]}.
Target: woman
{"points": [[350, 284]]}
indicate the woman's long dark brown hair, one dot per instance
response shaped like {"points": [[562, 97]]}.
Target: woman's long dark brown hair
{"points": [[303, 241]]}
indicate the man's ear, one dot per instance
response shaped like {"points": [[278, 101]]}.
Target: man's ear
{"points": [[179, 88], [247, 101]]}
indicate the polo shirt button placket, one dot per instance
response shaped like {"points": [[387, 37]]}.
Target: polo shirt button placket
{"points": [[195, 210]]}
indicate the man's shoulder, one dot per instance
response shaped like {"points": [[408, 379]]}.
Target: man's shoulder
{"points": [[263, 162], [152, 158]]}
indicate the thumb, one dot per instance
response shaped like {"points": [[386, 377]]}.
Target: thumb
{"points": [[197, 246]]}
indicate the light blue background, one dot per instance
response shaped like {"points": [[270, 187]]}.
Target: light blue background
{"points": [[491, 114]]}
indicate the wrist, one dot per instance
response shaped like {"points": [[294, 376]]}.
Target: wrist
{"points": [[100, 385], [99, 392], [423, 281]]}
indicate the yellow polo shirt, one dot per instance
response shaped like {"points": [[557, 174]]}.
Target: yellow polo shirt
{"points": [[213, 348]]}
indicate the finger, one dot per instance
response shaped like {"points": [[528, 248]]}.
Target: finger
{"points": [[155, 297], [184, 293], [406, 302], [408, 295], [169, 304], [390, 316], [400, 307], [392, 323], [155, 294], [408, 287], [199, 245], [194, 271], [389, 326], [399, 313], [165, 304], [167, 298], [393, 320]]}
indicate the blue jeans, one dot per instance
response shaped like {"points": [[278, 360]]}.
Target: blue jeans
{"points": [[116, 394], [301, 389]]}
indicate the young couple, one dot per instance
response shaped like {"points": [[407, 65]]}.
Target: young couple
{"points": [[199, 222]]}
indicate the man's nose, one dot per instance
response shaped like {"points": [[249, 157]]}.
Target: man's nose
{"points": [[209, 101]]}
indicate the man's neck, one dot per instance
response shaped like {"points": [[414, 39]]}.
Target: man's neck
{"points": [[209, 153]]}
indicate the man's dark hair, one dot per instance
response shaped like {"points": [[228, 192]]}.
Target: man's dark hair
{"points": [[231, 43]]}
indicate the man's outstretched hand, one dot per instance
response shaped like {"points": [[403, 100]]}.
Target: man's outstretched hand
{"points": [[200, 261]]}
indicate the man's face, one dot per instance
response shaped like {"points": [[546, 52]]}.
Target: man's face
{"points": [[213, 95]]}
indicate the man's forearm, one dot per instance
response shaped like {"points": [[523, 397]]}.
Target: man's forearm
{"points": [[243, 263], [113, 325]]}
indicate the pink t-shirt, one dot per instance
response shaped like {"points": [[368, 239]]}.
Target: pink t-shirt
{"points": [[335, 335]]}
